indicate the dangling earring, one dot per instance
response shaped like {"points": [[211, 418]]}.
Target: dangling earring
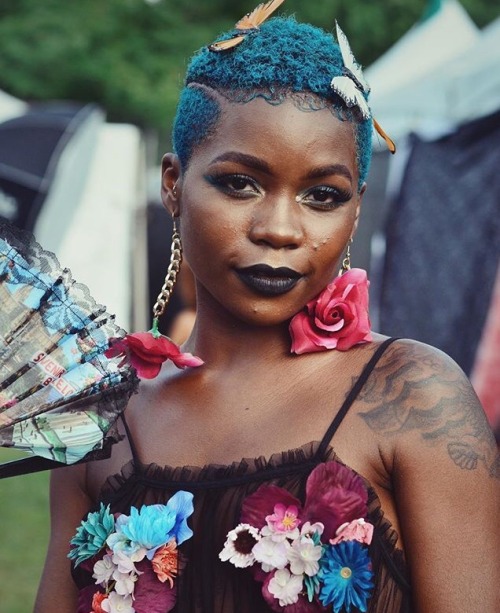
{"points": [[146, 351], [338, 317], [171, 277], [346, 262]]}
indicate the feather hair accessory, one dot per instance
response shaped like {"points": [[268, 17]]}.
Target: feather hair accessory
{"points": [[60, 395], [353, 88], [249, 23]]}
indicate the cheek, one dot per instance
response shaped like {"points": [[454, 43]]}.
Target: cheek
{"points": [[207, 235]]}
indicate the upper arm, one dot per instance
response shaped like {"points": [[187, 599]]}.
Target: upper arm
{"points": [[68, 504], [446, 480]]}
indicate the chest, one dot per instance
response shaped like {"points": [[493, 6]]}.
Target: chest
{"points": [[223, 422]]}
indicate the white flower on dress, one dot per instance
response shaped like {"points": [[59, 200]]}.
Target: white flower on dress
{"points": [[238, 548], [285, 586], [125, 583], [309, 529], [104, 569], [304, 556], [115, 603], [123, 563], [271, 554]]}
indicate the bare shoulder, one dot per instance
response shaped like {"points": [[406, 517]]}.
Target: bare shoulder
{"points": [[420, 396]]}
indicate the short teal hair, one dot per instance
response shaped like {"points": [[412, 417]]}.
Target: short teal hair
{"points": [[283, 59]]}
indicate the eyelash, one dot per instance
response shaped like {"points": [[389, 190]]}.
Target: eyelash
{"points": [[337, 195], [223, 183]]}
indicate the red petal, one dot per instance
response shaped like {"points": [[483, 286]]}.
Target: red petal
{"points": [[335, 494], [304, 338], [145, 370], [260, 504], [150, 594]]}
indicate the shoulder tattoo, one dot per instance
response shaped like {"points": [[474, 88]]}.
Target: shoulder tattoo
{"points": [[413, 389]]}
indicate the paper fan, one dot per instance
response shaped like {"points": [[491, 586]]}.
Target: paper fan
{"points": [[59, 395]]}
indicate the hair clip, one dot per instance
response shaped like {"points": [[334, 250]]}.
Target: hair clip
{"points": [[249, 23], [352, 86]]}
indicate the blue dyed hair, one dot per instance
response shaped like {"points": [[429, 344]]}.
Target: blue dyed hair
{"points": [[282, 60]]}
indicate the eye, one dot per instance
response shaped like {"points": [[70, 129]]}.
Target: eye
{"points": [[236, 185], [325, 197]]}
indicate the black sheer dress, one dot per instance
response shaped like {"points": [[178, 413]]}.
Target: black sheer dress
{"points": [[207, 585]]}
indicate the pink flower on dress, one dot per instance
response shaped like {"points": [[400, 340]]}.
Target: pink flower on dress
{"points": [[357, 530], [336, 319], [146, 352], [284, 519]]}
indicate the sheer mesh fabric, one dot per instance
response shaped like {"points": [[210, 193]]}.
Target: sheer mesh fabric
{"points": [[207, 585]]}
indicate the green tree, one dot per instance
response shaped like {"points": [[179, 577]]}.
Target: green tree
{"points": [[130, 55]]}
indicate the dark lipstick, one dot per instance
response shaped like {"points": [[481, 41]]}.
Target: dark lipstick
{"points": [[267, 280]]}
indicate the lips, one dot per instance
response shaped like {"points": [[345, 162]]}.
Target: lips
{"points": [[267, 280]]}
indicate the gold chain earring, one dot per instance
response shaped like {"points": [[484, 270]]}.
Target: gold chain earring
{"points": [[346, 262], [170, 279]]}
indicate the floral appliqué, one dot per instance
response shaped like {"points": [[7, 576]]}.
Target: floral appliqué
{"points": [[133, 558], [311, 557]]}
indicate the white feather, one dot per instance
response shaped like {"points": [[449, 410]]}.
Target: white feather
{"points": [[349, 60], [347, 89]]}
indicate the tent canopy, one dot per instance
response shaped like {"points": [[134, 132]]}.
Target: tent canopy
{"points": [[442, 73]]}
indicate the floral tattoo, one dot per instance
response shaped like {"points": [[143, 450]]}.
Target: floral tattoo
{"points": [[399, 403]]}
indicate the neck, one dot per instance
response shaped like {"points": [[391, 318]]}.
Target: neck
{"points": [[222, 340]]}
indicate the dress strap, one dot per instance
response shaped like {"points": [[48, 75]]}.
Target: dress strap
{"points": [[353, 394], [133, 448]]}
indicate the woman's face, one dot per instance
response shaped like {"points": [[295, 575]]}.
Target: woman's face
{"points": [[266, 207]]}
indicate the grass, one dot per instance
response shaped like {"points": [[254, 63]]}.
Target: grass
{"points": [[24, 525]]}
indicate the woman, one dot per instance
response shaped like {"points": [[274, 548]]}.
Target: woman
{"points": [[266, 186]]}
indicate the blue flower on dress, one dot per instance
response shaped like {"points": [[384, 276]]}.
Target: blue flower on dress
{"points": [[153, 526], [345, 572], [91, 535]]}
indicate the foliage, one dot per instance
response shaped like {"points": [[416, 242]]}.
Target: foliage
{"points": [[130, 55], [25, 529]]}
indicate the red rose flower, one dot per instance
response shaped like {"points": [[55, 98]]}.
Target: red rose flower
{"points": [[336, 319], [146, 352]]}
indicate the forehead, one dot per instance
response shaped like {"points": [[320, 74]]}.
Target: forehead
{"points": [[282, 131]]}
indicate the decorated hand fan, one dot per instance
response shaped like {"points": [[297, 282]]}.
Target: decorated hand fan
{"points": [[60, 395]]}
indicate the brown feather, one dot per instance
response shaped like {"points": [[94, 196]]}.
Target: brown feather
{"points": [[389, 142], [229, 43], [258, 15]]}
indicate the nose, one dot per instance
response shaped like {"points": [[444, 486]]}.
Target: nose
{"points": [[276, 224]]}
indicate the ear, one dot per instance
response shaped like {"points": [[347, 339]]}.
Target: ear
{"points": [[358, 209], [171, 177]]}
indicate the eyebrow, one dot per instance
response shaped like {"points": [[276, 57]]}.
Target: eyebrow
{"points": [[332, 169], [254, 162], [245, 159]]}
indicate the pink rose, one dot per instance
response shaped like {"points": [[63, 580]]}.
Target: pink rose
{"points": [[336, 319], [357, 530], [146, 352]]}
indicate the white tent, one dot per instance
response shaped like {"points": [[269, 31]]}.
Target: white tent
{"points": [[402, 96], [425, 46], [465, 88], [10, 107], [103, 240]]}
